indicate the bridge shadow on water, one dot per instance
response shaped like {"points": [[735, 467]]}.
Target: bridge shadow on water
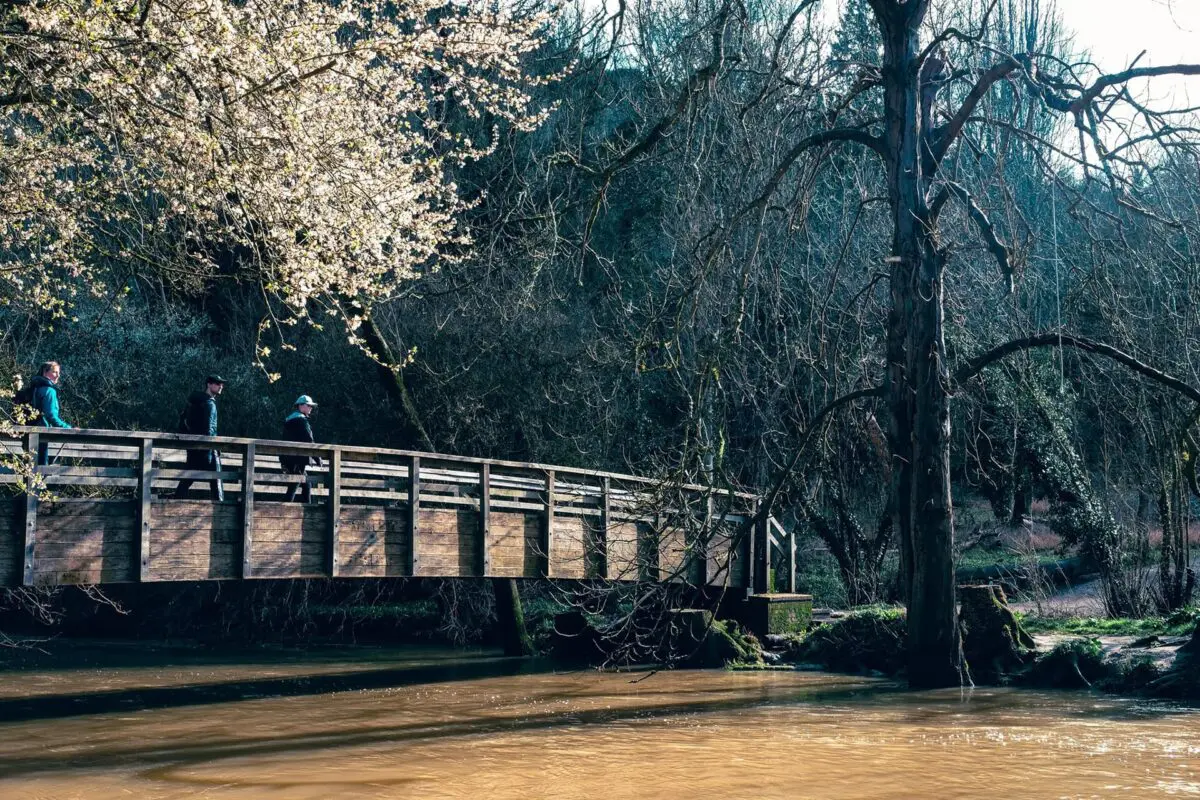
{"points": [[159, 760], [144, 698]]}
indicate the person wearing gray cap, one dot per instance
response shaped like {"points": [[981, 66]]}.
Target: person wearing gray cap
{"points": [[298, 428], [199, 418]]}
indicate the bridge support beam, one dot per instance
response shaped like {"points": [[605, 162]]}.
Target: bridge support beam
{"points": [[334, 484], [548, 533], [32, 440], [145, 504], [485, 518], [600, 545], [248, 455], [414, 513]]}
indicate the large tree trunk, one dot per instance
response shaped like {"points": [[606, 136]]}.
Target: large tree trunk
{"points": [[918, 378], [900, 441], [933, 638], [1022, 498]]}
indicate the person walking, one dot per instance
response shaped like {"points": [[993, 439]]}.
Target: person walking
{"points": [[199, 418], [45, 402], [298, 428]]}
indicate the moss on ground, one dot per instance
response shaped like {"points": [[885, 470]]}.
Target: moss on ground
{"points": [[1083, 664], [701, 641]]}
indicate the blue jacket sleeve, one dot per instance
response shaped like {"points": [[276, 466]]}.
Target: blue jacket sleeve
{"points": [[212, 417], [49, 409]]}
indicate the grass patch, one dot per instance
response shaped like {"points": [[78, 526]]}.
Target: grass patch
{"points": [[1180, 623], [425, 609], [982, 558]]}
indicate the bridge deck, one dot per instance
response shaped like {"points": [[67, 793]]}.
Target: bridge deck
{"points": [[375, 513]]}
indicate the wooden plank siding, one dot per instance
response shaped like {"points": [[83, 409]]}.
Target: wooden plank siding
{"points": [[111, 518], [195, 540], [516, 544], [86, 541], [12, 541], [374, 542]]}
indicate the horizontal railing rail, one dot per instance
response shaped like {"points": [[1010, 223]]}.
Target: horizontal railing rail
{"points": [[282, 447]]}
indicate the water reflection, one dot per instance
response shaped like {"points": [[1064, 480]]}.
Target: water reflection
{"points": [[330, 725]]}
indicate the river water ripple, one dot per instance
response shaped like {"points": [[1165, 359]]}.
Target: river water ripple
{"points": [[392, 723]]}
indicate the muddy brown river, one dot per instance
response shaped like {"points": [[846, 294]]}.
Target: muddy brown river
{"points": [[154, 722]]}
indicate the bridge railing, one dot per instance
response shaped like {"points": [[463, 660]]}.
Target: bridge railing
{"points": [[377, 512]]}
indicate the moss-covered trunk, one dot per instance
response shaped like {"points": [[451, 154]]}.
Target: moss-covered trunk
{"points": [[994, 643], [510, 617]]}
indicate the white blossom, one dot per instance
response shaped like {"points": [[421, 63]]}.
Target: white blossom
{"points": [[157, 134]]}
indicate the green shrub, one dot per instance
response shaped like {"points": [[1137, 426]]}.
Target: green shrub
{"points": [[1128, 674], [871, 639], [1073, 664], [1183, 621], [817, 574]]}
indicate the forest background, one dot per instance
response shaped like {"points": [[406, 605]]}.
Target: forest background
{"points": [[672, 271]]}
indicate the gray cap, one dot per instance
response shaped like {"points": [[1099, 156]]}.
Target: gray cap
{"points": [[304, 400]]}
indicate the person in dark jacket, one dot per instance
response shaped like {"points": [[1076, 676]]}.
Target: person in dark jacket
{"points": [[298, 428], [45, 401], [200, 419]]}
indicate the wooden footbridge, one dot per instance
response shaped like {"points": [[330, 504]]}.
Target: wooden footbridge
{"points": [[109, 517]]}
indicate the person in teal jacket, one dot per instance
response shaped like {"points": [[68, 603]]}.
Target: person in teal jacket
{"points": [[45, 400]]}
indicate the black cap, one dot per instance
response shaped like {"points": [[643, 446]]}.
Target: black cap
{"points": [[214, 379]]}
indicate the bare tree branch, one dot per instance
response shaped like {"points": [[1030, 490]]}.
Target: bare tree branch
{"points": [[997, 248], [980, 362], [945, 135], [1105, 81]]}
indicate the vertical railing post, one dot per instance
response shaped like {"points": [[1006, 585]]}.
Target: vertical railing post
{"points": [[602, 534], [32, 441], [752, 550], [248, 477], [414, 513], [694, 566], [708, 535], [548, 538], [762, 556], [649, 549], [790, 584], [333, 483], [485, 518], [145, 505]]}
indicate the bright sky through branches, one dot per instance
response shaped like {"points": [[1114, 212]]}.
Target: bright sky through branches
{"points": [[1116, 31]]}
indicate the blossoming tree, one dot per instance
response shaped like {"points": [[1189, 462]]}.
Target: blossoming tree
{"points": [[308, 136]]}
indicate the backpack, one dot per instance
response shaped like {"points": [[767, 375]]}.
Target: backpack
{"points": [[23, 401], [182, 425]]}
